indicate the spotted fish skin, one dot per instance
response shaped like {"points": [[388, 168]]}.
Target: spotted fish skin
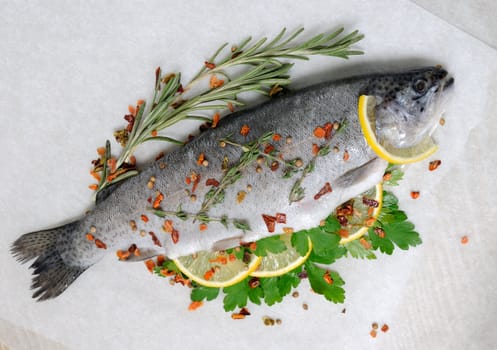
{"points": [[349, 168]]}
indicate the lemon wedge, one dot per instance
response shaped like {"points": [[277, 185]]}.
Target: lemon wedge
{"points": [[277, 264], [391, 154], [361, 218], [216, 269]]}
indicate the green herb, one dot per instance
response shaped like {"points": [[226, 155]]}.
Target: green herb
{"points": [[395, 175], [200, 293], [263, 69], [332, 292], [357, 250], [272, 244]]}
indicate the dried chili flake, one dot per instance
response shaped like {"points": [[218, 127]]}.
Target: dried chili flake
{"points": [[203, 227], [155, 239], [385, 328], [380, 232], [370, 202], [414, 194], [212, 182], [369, 221], [276, 137], [387, 176], [315, 149], [343, 233], [175, 236], [188, 180], [367, 245], [319, 132], [90, 237], [180, 89], [121, 255], [150, 264], [270, 222], [223, 260], [100, 244], [132, 248], [168, 226], [158, 200], [200, 158], [244, 130], [346, 155], [274, 165], [93, 187], [95, 175], [231, 257], [328, 128], [215, 82], [112, 163], [194, 305], [327, 277], [237, 316], [464, 240], [101, 151], [153, 133], [281, 218], [269, 148], [434, 165], [144, 218], [209, 65], [244, 311], [230, 107], [160, 260], [196, 180], [254, 282], [324, 190], [215, 120], [342, 220], [160, 155], [132, 110], [373, 333], [209, 274]]}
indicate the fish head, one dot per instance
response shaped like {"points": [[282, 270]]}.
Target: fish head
{"points": [[408, 104]]}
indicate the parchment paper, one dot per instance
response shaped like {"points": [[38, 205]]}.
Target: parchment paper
{"points": [[68, 71]]}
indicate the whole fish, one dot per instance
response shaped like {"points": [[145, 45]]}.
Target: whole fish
{"points": [[286, 163]]}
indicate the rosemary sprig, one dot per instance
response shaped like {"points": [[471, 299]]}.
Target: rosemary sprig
{"points": [[182, 215], [264, 69]]}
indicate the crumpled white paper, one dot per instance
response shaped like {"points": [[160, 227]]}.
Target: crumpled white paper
{"points": [[70, 69]]}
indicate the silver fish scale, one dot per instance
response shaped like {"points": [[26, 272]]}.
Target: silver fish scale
{"points": [[294, 115]]}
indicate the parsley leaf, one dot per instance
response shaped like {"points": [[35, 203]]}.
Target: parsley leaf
{"points": [[271, 291], [272, 244], [332, 292], [325, 246], [236, 295], [402, 234], [395, 176], [357, 250], [300, 242], [200, 293], [288, 281]]}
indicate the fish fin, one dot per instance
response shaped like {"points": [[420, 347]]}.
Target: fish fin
{"points": [[105, 192], [361, 174], [52, 275], [227, 243]]}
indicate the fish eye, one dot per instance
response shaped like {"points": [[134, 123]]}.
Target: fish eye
{"points": [[420, 86]]}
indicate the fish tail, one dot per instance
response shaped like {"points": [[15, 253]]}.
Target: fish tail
{"points": [[52, 275]]}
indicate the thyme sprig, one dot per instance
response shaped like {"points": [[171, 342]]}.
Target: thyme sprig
{"points": [[182, 215], [264, 68]]}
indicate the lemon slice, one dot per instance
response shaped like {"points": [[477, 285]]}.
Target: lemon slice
{"points": [[216, 269], [277, 264], [391, 154], [360, 217]]}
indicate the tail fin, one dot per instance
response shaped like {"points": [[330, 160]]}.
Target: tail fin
{"points": [[52, 274]]}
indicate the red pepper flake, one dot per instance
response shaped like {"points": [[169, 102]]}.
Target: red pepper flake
{"points": [[244, 311], [343, 233], [269, 148], [131, 122], [346, 155], [100, 244], [231, 257], [203, 227], [132, 160], [180, 89], [434, 165], [95, 175], [175, 236], [168, 226], [112, 163], [385, 328], [276, 137], [252, 246], [414, 194], [158, 200], [215, 82], [387, 176], [132, 248], [150, 265], [90, 237], [155, 239], [369, 221], [365, 244], [373, 333], [194, 305], [324, 190], [370, 202], [209, 274], [237, 316], [270, 222], [319, 132], [122, 255], [315, 149], [464, 240], [153, 133], [160, 155], [196, 180], [200, 158], [380, 232], [101, 151], [144, 218], [244, 130], [215, 120], [132, 110], [93, 187], [219, 259], [281, 218], [161, 259], [188, 180], [328, 128], [149, 199], [212, 182], [209, 65], [327, 277]]}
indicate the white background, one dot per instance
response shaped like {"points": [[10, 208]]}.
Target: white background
{"points": [[68, 71]]}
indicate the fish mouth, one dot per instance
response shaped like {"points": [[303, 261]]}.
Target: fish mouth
{"points": [[448, 83]]}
